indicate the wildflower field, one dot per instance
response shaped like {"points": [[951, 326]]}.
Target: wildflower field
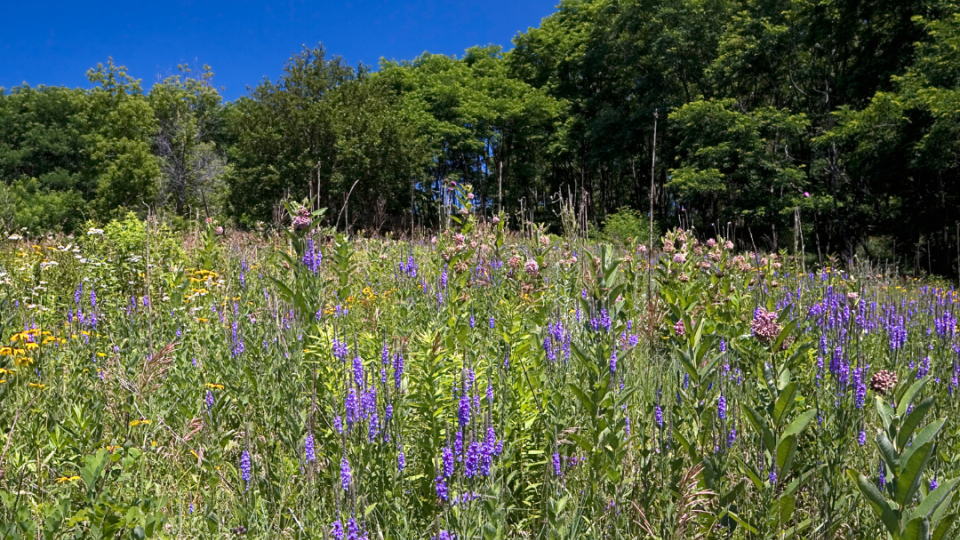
{"points": [[475, 385]]}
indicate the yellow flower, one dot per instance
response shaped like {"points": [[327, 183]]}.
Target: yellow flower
{"points": [[38, 385], [5, 371], [6, 351], [23, 361], [101, 355], [111, 448], [65, 479], [214, 386]]}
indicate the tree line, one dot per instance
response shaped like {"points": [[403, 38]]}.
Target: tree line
{"points": [[828, 124]]}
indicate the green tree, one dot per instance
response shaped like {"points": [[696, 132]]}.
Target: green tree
{"points": [[121, 128], [737, 166], [285, 139], [189, 113]]}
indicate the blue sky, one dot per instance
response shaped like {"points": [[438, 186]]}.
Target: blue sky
{"points": [[54, 43]]}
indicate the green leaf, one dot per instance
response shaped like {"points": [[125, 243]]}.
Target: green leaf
{"points": [[912, 421], [785, 403], [751, 474], [885, 411], [909, 395], [584, 399], [690, 367], [759, 424], [742, 523], [926, 435], [793, 531], [888, 452], [903, 386], [944, 527], [787, 330], [916, 529], [933, 500], [799, 423], [784, 378], [786, 450], [881, 507], [912, 474], [783, 509]]}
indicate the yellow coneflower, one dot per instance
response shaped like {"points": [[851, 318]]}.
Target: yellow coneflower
{"points": [[38, 385], [65, 479], [214, 386]]}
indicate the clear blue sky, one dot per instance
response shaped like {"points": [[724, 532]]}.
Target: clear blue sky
{"points": [[54, 43]]}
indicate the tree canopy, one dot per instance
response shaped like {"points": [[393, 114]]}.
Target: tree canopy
{"points": [[832, 119]]}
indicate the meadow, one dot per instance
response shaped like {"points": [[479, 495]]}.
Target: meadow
{"points": [[477, 384]]}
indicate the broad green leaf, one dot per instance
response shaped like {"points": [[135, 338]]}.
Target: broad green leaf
{"points": [[584, 399], [799, 423], [943, 527], [783, 509], [912, 421], [904, 403], [760, 425], [933, 500], [916, 529], [786, 450], [881, 507], [888, 452], [912, 474], [926, 435], [785, 403], [784, 378], [885, 411], [786, 331]]}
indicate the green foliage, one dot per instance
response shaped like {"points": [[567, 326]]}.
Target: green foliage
{"points": [[24, 204], [733, 166], [628, 226], [904, 459], [121, 246]]}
